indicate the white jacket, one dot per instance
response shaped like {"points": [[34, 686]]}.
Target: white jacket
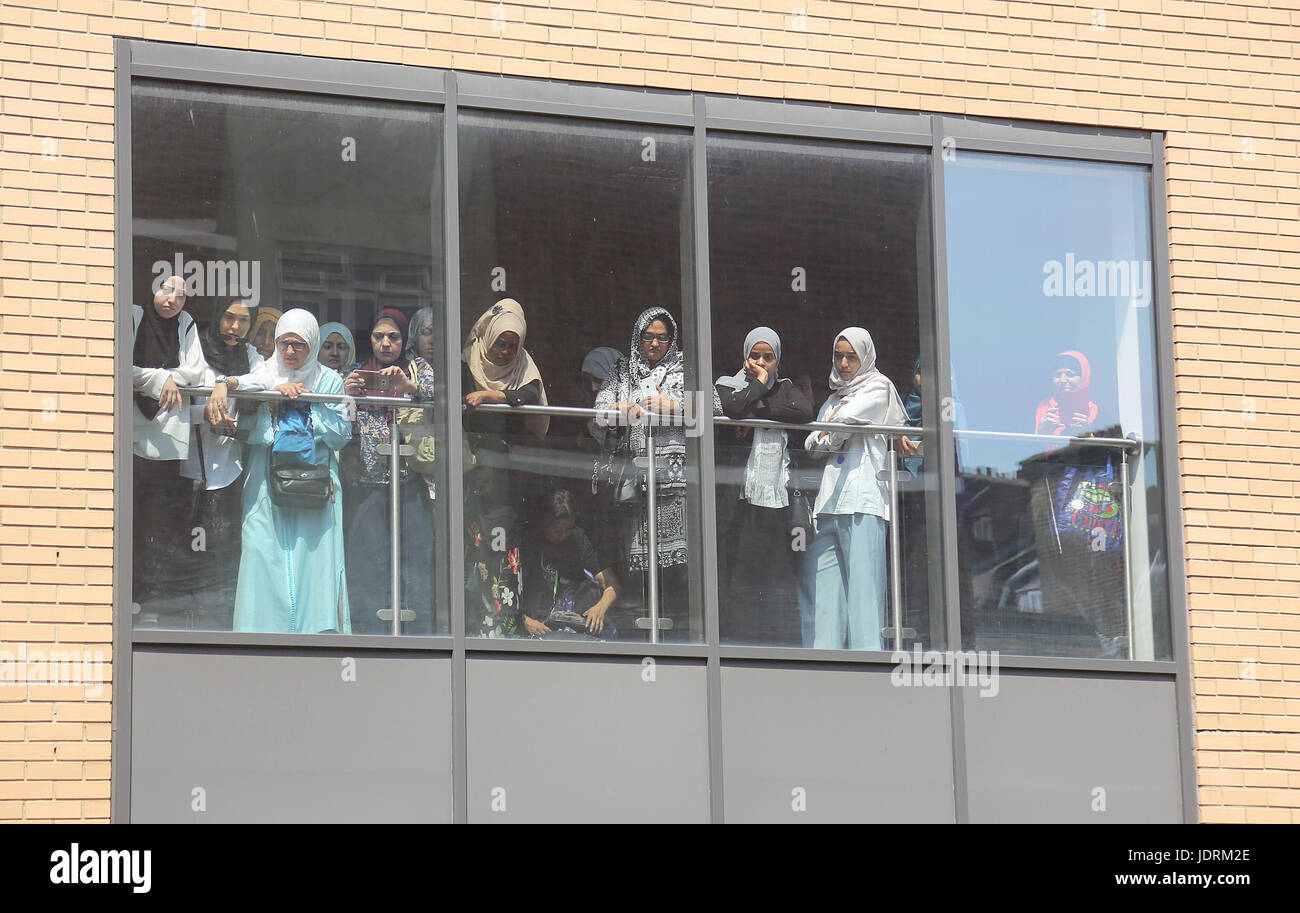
{"points": [[167, 435], [221, 454], [849, 483]]}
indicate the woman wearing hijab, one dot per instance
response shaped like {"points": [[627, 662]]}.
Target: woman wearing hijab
{"points": [[166, 355], [845, 564], [215, 461], [758, 567], [1077, 513], [291, 571], [652, 379], [263, 331], [337, 349], [370, 524], [419, 341], [496, 368], [1068, 411]]}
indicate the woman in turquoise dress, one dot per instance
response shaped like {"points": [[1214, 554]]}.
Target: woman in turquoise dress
{"points": [[291, 572]]}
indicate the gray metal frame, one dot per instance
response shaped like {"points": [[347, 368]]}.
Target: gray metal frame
{"points": [[700, 112]]}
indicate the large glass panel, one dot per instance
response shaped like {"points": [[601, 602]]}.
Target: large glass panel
{"points": [[570, 230], [819, 543], [249, 205], [1059, 497]]}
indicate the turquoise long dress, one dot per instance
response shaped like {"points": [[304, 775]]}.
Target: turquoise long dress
{"points": [[291, 573]]}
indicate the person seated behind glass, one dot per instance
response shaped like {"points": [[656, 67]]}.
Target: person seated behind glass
{"points": [[566, 584]]}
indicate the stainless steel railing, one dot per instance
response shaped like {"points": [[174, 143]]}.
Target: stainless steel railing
{"points": [[395, 450]]}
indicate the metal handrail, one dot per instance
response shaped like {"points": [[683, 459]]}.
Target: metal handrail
{"points": [[650, 420], [276, 396]]}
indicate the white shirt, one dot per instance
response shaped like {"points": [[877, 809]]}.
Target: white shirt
{"points": [[167, 435], [221, 454], [849, 483]]}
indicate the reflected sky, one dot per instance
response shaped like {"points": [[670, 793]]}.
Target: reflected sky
{"points": [[1044, 256]]}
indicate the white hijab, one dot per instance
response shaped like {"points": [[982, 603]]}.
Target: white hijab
{"points": [[868, 382], [300, 323]]}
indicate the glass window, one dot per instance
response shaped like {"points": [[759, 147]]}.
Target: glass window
{"points": [[576, 283], [1059, 503], [806, 240], [270, 229]]}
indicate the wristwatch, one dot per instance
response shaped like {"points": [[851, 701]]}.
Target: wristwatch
{"points": [[221, 379]]}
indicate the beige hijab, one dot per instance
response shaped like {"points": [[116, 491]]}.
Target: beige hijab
{"points": [[503, 317]]}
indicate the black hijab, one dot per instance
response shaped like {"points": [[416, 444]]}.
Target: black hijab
{"points": [[157, 345], [231, 361]]}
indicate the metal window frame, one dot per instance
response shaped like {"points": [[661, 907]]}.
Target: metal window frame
{"points": [[699, 112]]}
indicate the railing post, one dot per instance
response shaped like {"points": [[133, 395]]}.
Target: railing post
{"points": [[652, 532], [395, 509], [895, 546], [1128, 551]]}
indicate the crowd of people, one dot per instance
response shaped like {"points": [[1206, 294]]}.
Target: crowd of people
{"points": [[294, 503]]}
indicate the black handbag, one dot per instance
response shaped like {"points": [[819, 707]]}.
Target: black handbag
{"points": [[301, 486], [296, 485]]}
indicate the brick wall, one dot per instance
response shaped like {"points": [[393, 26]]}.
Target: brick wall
{"points": [[1219, 78]]}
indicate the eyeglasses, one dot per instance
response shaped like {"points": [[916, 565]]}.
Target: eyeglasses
{"points": [[391, 337], [656, 337], [288, 345], [427, 331]]}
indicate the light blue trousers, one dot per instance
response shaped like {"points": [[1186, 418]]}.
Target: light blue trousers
{"points": [[843, 594]]}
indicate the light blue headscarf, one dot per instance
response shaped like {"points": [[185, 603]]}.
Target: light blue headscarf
{"points": [[330, 329]]}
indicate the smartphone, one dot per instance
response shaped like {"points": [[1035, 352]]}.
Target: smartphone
{"points": [[377, 384]]}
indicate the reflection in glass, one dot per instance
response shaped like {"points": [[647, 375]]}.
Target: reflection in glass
{"points": [[1059, 515]]}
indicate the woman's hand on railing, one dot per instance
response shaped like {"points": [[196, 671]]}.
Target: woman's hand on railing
{"points": [[479, 397], [170, 397], [291, 390]]}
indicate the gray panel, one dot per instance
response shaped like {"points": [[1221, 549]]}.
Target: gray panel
{"points": [[578, 99], [286, 71], [731, 113], [567, 740], [1040, 749], [1049, 139], [283, 737], [861, 748]]}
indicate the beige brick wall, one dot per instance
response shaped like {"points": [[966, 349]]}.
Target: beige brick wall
{"points": [[1218, 78]]}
